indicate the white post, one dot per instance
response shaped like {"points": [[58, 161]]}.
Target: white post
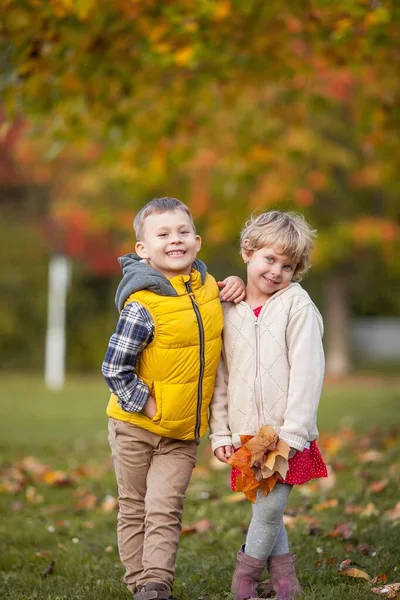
{"points": [[59, 277]]}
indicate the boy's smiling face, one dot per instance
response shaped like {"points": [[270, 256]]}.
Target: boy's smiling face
{"points": [[268, 271], [169, 243]]}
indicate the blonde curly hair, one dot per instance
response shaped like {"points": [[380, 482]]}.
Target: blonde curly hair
{"points": [[287, 231]]}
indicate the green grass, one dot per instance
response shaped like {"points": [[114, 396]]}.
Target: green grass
{"points": [[68, 429]]}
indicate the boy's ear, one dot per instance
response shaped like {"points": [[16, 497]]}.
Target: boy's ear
{"points": [[198, 240], [140, 250]]}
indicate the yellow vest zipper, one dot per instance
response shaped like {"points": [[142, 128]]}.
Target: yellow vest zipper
{"points": [[202, 360]]}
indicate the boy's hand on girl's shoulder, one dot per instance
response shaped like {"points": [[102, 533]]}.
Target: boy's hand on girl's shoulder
{"points": [[223, 453], [150, 408], [233, 289]]}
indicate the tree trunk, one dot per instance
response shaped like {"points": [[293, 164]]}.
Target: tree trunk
{"points": [[337, 321]]}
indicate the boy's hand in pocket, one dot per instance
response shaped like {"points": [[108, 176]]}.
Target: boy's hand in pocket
{"points": [[150, 408]]}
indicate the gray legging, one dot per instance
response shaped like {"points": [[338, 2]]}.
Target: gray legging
{"points": [[267, 534]]}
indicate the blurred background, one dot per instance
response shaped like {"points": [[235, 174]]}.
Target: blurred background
{"points": [[230, 106]]}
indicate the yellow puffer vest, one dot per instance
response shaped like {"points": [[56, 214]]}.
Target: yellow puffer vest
{"points": [[180, 364]]}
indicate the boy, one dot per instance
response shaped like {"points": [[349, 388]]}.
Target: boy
{"points": [[160, 367]]}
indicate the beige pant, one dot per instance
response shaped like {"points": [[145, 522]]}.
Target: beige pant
{"points": [[152, 473]]}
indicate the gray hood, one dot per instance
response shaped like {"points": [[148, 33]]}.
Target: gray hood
{"points": [[138, 275]]}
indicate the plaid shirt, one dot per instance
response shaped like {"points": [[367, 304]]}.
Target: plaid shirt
{"points": [[135, 330]]}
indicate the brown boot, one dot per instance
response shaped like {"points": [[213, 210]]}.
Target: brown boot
{"points": [[151, 591], [246, 576], [283, 576]]}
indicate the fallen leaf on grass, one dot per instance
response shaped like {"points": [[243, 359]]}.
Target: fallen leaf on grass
{"points": [[53, 509], [32, 465], [342, 530], [394, 514], [57, 478], [187, 530], [327, 561], [377, 486], [327, 504], [345, 568], [48, 570], [234, 498], [86, 500], [327, 483], [289, 520], [200, 527], [330, 444], [369, 511], [382, 578], [42, 553], [315, 531], [390, 590], [371, 456], [32, 495], [354, 572], [200, 472], [353, 509], [364, 548], [109, 504]]}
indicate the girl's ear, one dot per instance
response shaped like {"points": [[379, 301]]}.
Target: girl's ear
{"points": [[246, 254]]}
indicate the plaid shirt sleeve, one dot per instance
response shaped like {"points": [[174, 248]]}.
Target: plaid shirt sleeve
{"points": [[135, 330]]}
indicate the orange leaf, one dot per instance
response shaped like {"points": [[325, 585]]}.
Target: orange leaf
{"points": [[86, 502], [394, 514], [390, 590], [262, 443], [354, 572], [200, 527], [371, 456], [342, 530], [327, 504], [57, 478], [377, 486], [42, 553], [109, 504], [382, 578], [234, 498], [369, 511]]}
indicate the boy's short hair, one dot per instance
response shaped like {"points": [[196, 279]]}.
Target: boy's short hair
{"points": [[288, 231], [158, 206]]}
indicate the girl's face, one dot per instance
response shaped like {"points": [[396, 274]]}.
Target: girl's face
{"points": [[268, 271]]}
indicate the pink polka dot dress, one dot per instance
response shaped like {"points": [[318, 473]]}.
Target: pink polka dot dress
{"points": [[303, 466]]}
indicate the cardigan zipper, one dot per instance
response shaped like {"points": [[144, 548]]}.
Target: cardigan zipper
{"points": [[202, 360]]}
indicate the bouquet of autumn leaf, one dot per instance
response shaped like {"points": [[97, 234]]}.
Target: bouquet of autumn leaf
{"points": [[262, 461]]}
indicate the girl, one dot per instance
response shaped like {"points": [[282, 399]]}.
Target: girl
{"points": [[271, 373]]}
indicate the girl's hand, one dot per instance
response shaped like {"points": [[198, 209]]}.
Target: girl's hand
{"points": [[233, 289], [223, 453], [292, 452], [150, 408]]}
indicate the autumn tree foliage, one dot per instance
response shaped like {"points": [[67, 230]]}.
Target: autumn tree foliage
{"points": [[229, 105]]}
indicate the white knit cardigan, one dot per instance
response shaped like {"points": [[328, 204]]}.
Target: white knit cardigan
{"points": [[271, 370]]}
